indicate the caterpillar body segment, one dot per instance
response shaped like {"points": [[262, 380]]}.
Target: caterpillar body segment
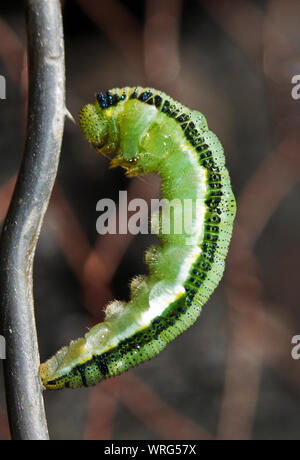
{"points": [[149, 132]]}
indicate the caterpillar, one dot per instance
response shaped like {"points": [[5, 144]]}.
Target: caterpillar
{"points": [[150, 132]]}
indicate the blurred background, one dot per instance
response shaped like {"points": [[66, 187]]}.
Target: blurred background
{"points": [[230, 376]]}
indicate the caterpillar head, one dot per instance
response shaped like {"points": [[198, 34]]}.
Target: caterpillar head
{"points": [[93, 124]]}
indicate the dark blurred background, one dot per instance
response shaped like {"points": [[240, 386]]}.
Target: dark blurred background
{"points": [[231, 376]]}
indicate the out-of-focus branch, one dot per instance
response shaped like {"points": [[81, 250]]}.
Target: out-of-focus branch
{"points": [[25, 216], [120, 26], [242, 21], [161, 38], [11, 51]]}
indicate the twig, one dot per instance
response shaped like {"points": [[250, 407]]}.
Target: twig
{"points": [[25, 216]]}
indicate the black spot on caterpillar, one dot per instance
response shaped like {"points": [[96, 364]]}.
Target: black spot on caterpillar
{"points": [[149, 132]]}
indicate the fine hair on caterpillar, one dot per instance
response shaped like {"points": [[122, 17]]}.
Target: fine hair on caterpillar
{"points": [[150, 132]]}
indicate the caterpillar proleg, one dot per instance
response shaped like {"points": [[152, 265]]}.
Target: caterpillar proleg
{"points": [[149, 132]]}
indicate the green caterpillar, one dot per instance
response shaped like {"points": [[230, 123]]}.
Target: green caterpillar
{"points": [[149, 132]]}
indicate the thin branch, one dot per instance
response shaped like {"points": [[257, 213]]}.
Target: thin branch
{"points": [[25, 216]]}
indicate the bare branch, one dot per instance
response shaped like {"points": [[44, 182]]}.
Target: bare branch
{"points": [[25, 216]]}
